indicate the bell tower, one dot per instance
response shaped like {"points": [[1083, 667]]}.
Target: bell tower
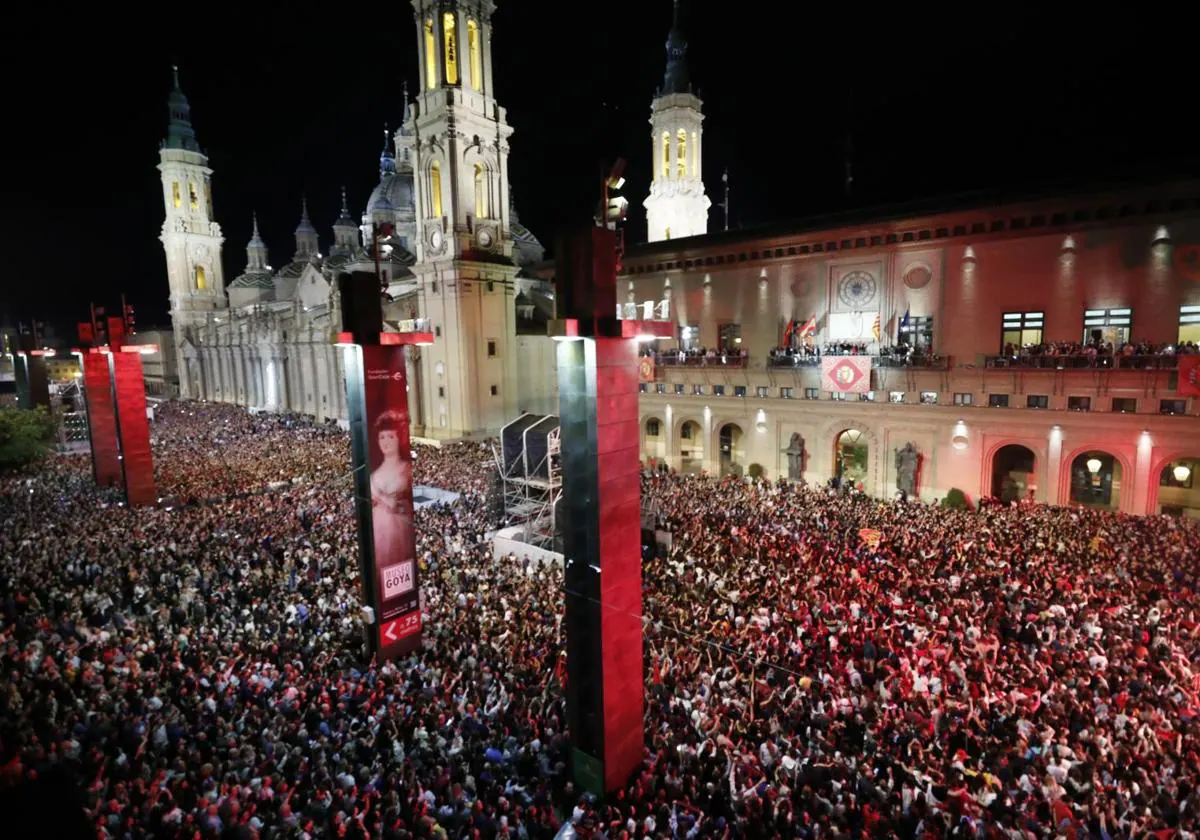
{"points": [[190, 234], [459, 141], [677, 206]]}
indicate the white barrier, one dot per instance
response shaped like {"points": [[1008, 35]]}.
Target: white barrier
{"points": [[506, 542], [425, 496]]}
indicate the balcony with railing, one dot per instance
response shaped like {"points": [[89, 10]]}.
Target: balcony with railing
{"points": [[695, 360], [1162, 361]]}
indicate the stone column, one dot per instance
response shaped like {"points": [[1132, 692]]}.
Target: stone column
{"points": [[1050, 493]]}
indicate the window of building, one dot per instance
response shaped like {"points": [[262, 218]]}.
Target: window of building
{"points": [[1172, 406], [666, 155], [895, 396], [961, 398], [869, 396], [698, 390], [491, 285], [718, 390], [208, 197], [660, 387], [652, 428], [1079, 403], [837, 396], [668, 232], [430, 56], [761, 390], [495, 390], [739, 390], [491, 347], [917, 332], [643, 388], [1124, 405], [998, 400], [437, 331], [451, 40], [809, 393], [481, 203], [679, 389], [201, 279], [193, 196], [1189, 324], [435, 189], [689, 337], [1021, 329], [1184, 480], [929, 397], [729, 338], [176, 196], [441, 390], [1037, 401], [1107, 326], [475, 55], [681, 154], [686, 432]]}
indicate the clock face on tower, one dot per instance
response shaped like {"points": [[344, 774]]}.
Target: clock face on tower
{"points": [[435, 240]]}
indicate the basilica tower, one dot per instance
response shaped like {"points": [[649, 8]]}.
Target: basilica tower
{"points": [[457, 136], [190, 236], [677, 206]]}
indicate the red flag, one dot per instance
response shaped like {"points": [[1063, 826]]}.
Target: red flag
{"points": [[1188, 384], [787, 332], [810, 327]]}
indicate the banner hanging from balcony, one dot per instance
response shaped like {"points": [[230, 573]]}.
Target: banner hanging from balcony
{"points": [[646, 369], [1189, 376], [848, 374]]}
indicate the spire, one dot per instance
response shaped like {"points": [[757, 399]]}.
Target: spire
{"points": [[256, 251], [180, 134], [307, 245], [305, 225], [405, 127], [344, 219], [676, 78], [387, 161]]}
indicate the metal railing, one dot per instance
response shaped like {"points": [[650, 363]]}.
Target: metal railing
{"points": [[727, 360], [1155, 362]]}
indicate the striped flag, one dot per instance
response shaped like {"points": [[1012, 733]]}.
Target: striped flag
{"points": [[875, 327]]}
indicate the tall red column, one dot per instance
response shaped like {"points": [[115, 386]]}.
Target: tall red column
{"points": [[102, 419], [133, 428]]}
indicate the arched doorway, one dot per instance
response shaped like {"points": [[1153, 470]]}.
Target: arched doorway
{"points": [[691, 447], [1179, 488], [850, 457], [729, 442], [1096, 480], [1012, 472], [654, 440]]}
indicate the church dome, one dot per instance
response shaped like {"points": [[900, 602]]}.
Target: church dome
{"points": [[394, 193]]}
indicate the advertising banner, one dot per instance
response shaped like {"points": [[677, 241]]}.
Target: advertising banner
{"points": [[646, 368], [133, 428], [848, 374], [102, 419], [389, 463]]}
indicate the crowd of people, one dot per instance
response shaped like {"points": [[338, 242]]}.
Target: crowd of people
{"points": [[816, 665]]}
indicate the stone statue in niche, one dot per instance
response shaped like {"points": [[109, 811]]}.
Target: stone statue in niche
{"points": [[795, 456], [907, 462]]}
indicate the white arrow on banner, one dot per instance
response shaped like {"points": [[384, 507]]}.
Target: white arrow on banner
{"points": [[389, 631]]}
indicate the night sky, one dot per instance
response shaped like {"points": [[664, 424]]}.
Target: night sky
{"points": [[290, 99]]}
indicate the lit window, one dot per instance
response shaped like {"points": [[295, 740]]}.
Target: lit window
{"points": [[668, 231], [929, 397], [481, 203], [1107, 326], [193, 196], [451, 40], [176, 197], [435, 189], [666, 155], [1021, 329], [681, 154], [476, 59], [761, 390], [896, 397], [201, 279], [1189, 324], [430, 56]]}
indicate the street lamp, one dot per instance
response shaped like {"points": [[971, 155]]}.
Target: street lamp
{"points": [[1181, 472]]}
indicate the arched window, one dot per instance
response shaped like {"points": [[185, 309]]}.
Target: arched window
{"points": [[208, 197], [201, 279], [451, 39], [481, 192], [193, 196], [430, 55], [666, 157], [476, 56], [668, 231], [435, 189], [681, 153], [176, 196]]}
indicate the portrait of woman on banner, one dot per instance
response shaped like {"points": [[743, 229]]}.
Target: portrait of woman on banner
{"points": [[391, 492]]}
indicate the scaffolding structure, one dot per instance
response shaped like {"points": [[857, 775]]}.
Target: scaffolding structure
{"points": [[72, 418], [528, 461]]}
